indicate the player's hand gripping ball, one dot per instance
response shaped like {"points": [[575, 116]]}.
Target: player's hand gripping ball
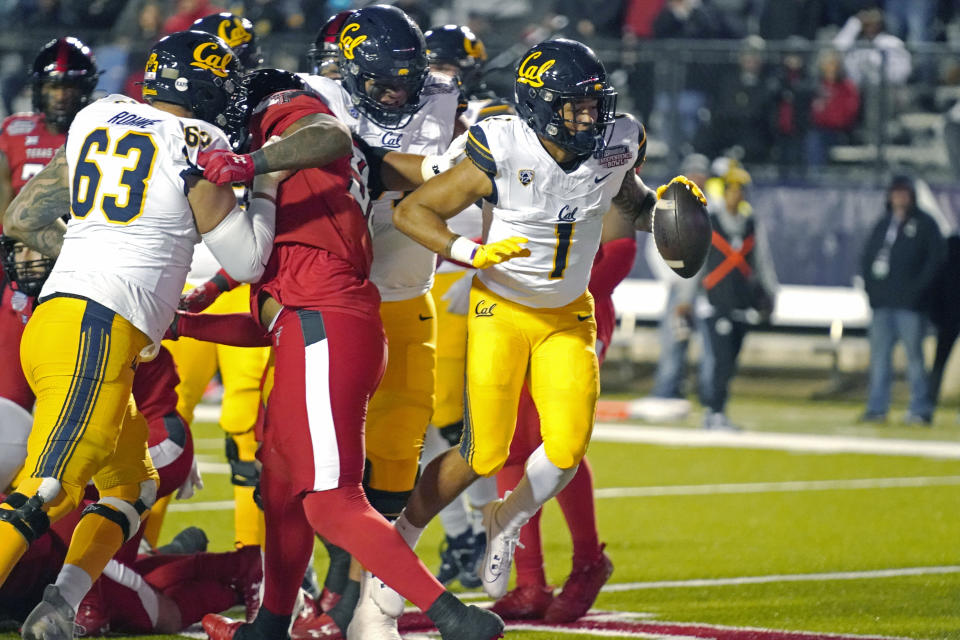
{"points": [[681, 226]]}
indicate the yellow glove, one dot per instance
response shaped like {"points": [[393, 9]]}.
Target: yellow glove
{"points": [[690, 184], [482, 256], [497, 252]]}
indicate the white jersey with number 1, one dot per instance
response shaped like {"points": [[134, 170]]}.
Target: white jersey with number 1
{"points": [[560, 212]]}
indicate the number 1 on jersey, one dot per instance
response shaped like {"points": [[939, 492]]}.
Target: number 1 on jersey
{"points": [[564, 235]]}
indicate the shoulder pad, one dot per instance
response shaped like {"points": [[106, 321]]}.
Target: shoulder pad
{"points": [[496, 107], [478, 150], [438, 84]]}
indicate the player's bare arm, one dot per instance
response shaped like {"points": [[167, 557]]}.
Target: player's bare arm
{"points": [[422, 215], [314, 140], [635, 201], [33, 217], [6, 183]]}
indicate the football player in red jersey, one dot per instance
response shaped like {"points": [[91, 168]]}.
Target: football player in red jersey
{"points": [[64, 76], [322, 311]]}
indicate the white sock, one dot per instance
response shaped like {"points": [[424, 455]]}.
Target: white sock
{"points": [[479, 494], [74, 583], [541, 481], [409, 533]]}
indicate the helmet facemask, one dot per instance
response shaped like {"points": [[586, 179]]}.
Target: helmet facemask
{"points": [[368, 90], [23, 267], [547, 107]]}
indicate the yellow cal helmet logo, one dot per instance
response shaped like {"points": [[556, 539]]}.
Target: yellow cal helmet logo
{"points": [[475, 49], [232, 32], [349, 42], [532, 74], [213, 60]]}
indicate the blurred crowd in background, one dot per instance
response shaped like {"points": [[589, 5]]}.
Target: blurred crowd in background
{"points": [[794, 88]]}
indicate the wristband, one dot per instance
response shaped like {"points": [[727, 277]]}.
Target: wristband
{"points": [[433, 166], [463, 250]]}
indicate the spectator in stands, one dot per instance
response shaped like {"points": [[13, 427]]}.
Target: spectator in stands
{"points": [[911, 20], [739, 284], [834, 111], [741, 106], [793, 90], [677, 321], [869, 50], [900, 261], [638, 17], [588, 21]]}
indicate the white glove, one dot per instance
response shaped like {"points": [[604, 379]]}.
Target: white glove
{"points": [[435, 165], [193, 483], [458, 295]]}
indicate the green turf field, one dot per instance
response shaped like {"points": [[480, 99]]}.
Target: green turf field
{"points": [[831, 543]]}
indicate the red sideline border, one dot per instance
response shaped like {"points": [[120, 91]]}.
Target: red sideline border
{"points": [[624, 625]]}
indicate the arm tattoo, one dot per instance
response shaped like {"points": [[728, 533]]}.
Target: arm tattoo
{"points": [[635, 201], [34, 215], [315, 143]]}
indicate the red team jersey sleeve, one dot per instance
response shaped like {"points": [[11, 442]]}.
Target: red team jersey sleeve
{"points": [[322, 250]]}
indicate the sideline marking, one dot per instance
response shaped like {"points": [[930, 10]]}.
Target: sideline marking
{"points": [[814, 443]]}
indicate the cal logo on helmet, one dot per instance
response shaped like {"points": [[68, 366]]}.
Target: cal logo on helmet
{"points": [[532, 74], [232, 32], [349, 42], [209, 56], [474, 49]]}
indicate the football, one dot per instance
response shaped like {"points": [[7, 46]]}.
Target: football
{"points": [[681, 229]]}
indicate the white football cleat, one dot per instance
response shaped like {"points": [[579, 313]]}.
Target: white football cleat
{"points": [[52, 619], [494, 572], [369, 622], [386, 597]]}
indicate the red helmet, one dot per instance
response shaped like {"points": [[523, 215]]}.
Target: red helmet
{"points": [[64, 61], [323, 53]]}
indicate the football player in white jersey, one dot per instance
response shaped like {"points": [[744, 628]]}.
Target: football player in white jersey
{"points": [[550, 174], [392, 102], [456, 51], [138, 205]]}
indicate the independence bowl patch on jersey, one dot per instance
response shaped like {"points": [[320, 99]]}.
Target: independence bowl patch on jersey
{"points": [[614, 156], [20, 126]]}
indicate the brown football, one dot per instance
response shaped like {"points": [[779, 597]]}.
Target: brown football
{"points": [[682, 230]]}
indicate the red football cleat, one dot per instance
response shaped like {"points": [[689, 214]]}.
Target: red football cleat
{"points": [[580, 590], [528, 602], [248, 584], [315, 627], [220, 627]]}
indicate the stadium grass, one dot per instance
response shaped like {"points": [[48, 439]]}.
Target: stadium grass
{"points": [[722, 535]]}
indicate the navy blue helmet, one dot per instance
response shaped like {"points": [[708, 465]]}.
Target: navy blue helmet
{"points": [[194, 69], [553, 73], [459, 46], [255, 86], [238, 33], [69, 62], [381, 48]]}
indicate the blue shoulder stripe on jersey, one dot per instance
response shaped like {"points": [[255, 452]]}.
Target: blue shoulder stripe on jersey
{"points": [[478, 150]]}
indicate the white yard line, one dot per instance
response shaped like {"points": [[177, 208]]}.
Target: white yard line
{"points": [[675, 490]]}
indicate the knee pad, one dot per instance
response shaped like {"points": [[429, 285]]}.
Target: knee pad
{"points": [[26, 516], [243, 473], [125, 513], [452, 432]]}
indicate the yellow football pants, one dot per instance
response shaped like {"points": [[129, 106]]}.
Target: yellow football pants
{"points": [[401, 407], [451, 354], [553, 350]]}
